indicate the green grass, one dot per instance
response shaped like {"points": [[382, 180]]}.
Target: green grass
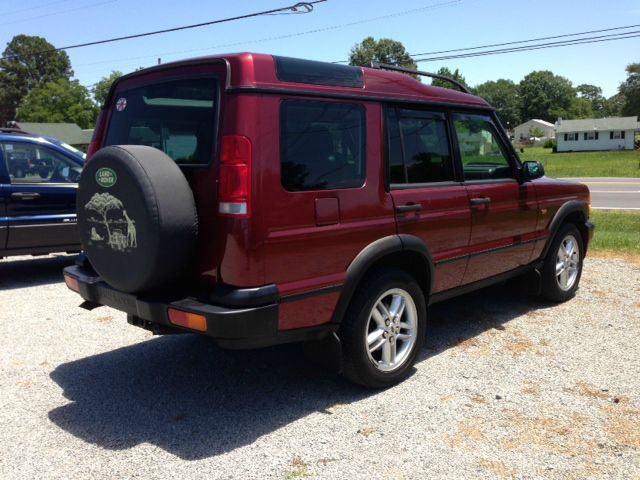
{"points": [[585, 164], [616, 231]]}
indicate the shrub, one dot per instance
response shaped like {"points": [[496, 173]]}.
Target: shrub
{"points": [[550, 143]]}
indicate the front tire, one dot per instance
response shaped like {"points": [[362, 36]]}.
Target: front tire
{"points": [[383, 330], [563, 266]]}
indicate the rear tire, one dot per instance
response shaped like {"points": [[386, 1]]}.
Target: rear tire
{"points": [[383, 329], [563, 265]]}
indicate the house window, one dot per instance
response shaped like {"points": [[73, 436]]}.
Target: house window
{"points": [[617, 135], [570, 137], [591, 135]]}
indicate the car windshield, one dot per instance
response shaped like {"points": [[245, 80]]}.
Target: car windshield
{"points": [[175, 116]]}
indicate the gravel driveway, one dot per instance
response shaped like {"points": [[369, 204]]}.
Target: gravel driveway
{"points": [[506, 387]]}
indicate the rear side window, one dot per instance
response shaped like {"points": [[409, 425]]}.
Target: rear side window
{"points": [[176, 116], [322, 145]]}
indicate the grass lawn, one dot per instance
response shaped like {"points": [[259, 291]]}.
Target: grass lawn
{"points": [[585, 164], [616, 232]]}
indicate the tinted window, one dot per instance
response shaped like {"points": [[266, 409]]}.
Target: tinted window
{"points": [[419, 148], [322, 145], [483, 156], [176, 117], [30, 163], [318, 73]]}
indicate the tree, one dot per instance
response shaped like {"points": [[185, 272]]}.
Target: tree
{"points": [[504, 95], [456, 75], [545, 96], [630, 90], [28, 62], [102, 203], [59, 101], [594, 96], [580, 108], [101, 89], [384, 50], [536, 132]]}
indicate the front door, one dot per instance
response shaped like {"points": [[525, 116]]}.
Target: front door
{"points": [[504, 212], [40, 199], [429, 203]]}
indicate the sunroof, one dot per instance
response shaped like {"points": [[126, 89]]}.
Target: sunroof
{"points": [[318, 73]]}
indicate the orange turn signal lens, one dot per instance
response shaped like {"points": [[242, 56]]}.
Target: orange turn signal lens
{"points": [[72, 283], [189, 320]]}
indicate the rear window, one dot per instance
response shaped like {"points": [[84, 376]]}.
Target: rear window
{"points": [[177, 117]]}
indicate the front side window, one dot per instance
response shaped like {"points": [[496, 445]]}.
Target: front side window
{"points": [[322, 145], [418, 147], [483, 155], [30, 163], [176, 116]]}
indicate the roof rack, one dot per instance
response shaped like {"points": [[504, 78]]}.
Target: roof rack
{"points": [[395, 68]]}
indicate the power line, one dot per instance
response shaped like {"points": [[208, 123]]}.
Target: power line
{"points": [[526, 41], [34, 7], [286, 36], [305, 7], [541, 46], [61, 12]]}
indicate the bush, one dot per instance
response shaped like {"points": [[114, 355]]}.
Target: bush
{"points": [[550, 143]]}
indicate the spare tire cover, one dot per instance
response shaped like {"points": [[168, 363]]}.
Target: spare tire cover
{"points": [[136, 217]]}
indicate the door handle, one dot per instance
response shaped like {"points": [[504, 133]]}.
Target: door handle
{"points": [[25, 195], [480, 201], [410, 207]]}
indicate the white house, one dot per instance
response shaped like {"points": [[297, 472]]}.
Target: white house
{"points": [[524, 131], [613, 133]]}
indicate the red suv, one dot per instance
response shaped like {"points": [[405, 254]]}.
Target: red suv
{"points": [[260, 200]]}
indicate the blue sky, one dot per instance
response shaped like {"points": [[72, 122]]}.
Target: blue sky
{"points": [[421, 25]]}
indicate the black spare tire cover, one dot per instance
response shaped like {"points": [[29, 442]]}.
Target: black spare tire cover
{"points": [[136, 217]]}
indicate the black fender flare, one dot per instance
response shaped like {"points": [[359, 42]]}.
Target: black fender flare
{"points": [[559, 218], [370, 255]]}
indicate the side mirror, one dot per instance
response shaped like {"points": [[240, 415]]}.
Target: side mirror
{"points": [[532, 170]]}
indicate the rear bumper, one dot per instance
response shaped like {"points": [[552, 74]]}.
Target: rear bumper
{"points": [[251, 326]]}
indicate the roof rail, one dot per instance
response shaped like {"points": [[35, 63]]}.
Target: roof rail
{"points": [[395, 68]]}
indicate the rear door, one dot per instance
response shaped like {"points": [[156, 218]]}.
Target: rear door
{"points": [[504, 212], [40, 198], [429, 203]]}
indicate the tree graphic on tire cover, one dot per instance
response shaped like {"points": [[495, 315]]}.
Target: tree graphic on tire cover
{"points": [[102, 203]]}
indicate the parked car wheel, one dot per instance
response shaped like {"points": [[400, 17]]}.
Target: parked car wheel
{"points": [[563, 266], [383, 330]]}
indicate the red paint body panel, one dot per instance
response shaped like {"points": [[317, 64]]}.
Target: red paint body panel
{"points": [[309, 312]]}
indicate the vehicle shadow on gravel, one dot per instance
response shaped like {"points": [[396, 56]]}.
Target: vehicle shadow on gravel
{"points": [[33, 271], [192, 399], [461, 319]]}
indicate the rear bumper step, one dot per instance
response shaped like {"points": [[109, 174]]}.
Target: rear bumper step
{"points": [[251, 326]]}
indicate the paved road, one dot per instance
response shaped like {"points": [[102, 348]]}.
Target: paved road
{"points": [[613, 193]]}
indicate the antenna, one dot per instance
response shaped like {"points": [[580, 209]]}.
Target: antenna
{"points": [[395, 68]]}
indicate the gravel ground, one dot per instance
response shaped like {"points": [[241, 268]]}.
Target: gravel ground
{"points": [[506, 387]]}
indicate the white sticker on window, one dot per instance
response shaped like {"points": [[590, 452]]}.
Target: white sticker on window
{"points": [[8, 147], [121, 104]]}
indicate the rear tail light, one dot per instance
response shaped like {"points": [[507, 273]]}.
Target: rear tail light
{"points": [[96, 138], [72, 283], [235, 177]]}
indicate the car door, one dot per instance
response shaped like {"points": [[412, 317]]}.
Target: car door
{"points": [[504, 212], [429, 202], [4, 179], [40, 198]]}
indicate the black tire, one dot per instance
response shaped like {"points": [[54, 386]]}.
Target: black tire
{"points": [[146, 235], [358, 364], [554, 286]]}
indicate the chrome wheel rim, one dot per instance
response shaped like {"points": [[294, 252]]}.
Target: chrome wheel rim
{"points": [[567, 261], [391, 330]]}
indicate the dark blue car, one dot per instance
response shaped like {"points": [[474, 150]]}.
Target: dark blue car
{"points": [[38, 184]]}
